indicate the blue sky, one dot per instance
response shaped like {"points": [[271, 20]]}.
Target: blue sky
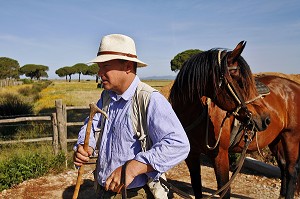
{"points": [[59, 33]]}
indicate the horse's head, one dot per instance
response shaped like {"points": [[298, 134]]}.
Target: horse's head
{"points": [[237, 91], [226, 78]]}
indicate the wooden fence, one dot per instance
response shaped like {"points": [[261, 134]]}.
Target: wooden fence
{"points": [[9, 82], [59, 126]]}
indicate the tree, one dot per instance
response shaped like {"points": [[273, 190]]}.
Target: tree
{"points": [[180, 58], [62, 72], [34, 71], [80, 68], [92, 70], [66, 71], [9, 68]]}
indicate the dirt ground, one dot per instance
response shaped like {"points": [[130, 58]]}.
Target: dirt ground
{"points": [[61, 186]]}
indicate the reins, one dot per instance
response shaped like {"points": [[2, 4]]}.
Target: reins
{"points": [[238, 167], [248, 137], [208, 101], [162, 180]]}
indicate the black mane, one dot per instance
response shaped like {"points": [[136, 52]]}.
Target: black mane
{"points": [[202, 69]]}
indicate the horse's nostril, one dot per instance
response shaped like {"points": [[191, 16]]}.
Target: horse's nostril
{"points": [[267, 121]]}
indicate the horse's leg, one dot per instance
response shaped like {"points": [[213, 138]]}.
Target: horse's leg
{"points": [[292, 157], [221, 167], [277, 150], [194, 166], [297, 192]]}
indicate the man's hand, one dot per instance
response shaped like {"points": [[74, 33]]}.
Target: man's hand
{"points": [[81, 156], [133, 169]]}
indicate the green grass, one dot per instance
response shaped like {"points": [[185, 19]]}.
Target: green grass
{"points": [[26, 161]]}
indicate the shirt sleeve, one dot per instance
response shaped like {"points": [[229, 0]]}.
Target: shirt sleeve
{"points": [[170, 142]]}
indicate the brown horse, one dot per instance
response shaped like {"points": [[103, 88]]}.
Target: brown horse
{"points": [[285, 115], [225, 77], [281, 136]]}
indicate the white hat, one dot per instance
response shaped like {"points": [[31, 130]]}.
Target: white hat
{"points": [[117, 46]]}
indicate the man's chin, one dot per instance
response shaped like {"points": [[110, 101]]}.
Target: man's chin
{"points": [[106, 87]]}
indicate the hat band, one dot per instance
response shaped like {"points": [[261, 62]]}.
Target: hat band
{"points": [[116, 53]]}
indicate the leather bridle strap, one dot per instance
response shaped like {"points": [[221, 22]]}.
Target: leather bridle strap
{"points": [[176, 190], [123, 181], [163, 181]]}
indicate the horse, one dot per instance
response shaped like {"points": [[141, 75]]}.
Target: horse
{"points": [[226, 78], [282, 135], [185, 99], [285, 115]]}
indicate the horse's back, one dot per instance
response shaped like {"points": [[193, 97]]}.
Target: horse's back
{"points": [[283, 100]]}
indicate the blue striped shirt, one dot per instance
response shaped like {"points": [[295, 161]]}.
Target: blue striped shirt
{"points": [[120, 144]]}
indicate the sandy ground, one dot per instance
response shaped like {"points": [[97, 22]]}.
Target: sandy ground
{"points": [[61, 186]]}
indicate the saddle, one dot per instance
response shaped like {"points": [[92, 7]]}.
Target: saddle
{"points": [[236, 132], [261, 88]]}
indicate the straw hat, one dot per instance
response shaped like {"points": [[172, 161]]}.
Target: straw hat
{"points": [[117, 46]]}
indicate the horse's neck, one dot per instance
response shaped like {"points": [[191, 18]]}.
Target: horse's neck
{"points": [[189, 112]]}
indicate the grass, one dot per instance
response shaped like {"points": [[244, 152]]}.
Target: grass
{"points": [[72, 93], [77, 93], [28, 164]]}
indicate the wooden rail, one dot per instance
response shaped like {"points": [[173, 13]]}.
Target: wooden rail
{"points": [[59, 127], [24, 119]]}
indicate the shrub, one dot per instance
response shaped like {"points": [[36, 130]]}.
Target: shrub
{"points": [[27, 81], [19, 169], [12, 104]]}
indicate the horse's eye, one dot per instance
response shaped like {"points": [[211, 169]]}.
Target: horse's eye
{"points": [[234, 72]]}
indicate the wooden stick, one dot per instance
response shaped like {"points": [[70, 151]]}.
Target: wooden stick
{"points": [[93, 110]]}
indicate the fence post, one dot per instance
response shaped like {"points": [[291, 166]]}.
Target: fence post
{"points": [[55, 134], [64, 110], [61, 125]]}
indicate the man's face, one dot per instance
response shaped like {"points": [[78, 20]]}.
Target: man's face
{"points": [[113, 74]]}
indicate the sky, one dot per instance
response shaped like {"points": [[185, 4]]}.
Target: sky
{"points": [[59, 33]]}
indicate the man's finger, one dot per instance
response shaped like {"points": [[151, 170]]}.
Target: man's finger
{"points": [[119, 189]]}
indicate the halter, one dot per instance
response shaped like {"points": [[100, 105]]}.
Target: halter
{"points": [[248, 122]]}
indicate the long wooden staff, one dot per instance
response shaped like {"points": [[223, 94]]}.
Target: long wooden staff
{"points": [[93, 110]]}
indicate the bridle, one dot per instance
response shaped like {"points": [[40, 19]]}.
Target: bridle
{"points": [[227, 80]]}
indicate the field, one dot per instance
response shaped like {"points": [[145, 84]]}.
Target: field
{"points": [[77, 93]]}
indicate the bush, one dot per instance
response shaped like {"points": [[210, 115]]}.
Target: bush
{"points": [[34, 90], [27, 81], [19, 169], [12, 104]]}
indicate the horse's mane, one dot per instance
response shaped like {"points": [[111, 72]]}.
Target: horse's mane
{"points": [[193, 79]]}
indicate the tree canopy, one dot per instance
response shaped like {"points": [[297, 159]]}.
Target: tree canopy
{"points": [[9, 68], [93, 71], [180, 58], [66, 71], [80, 68], [34, 71]]}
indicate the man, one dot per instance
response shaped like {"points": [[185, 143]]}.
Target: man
{"points": [[118, 63]]}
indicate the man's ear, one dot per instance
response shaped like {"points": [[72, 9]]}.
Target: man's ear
{"points": [[129, 67]]}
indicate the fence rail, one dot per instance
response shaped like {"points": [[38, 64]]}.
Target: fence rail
{"points": [[24, 119], [9, 82], [59, 127]]}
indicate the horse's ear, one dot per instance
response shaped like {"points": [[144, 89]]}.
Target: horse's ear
{"points": [[236, 52]]}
